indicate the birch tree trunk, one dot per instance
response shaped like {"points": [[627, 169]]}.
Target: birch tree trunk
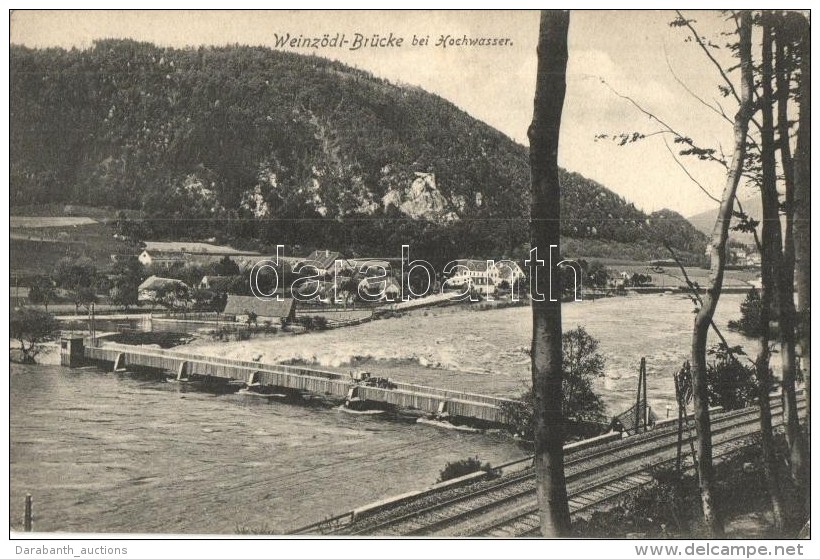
{"points": [[546, 314], [764, 379], [703, 319]]}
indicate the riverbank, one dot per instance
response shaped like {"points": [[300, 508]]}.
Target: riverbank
{"points": [[669, 508]]}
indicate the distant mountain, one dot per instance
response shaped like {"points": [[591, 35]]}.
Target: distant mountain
{"points": [[705, 221], [250, 143]]}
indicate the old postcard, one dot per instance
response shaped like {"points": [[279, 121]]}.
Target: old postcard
{"points": [[485, 274]]}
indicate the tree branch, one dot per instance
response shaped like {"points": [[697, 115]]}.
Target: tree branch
{"points": [[702, 101], [714, 61], [694, 290], [688, 174], [708, 154]]}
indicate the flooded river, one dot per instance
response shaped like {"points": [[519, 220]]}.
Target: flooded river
{"points": [[104, 452], [488, 351]]}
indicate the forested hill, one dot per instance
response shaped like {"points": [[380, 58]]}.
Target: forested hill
{"points": [[247, 142]]}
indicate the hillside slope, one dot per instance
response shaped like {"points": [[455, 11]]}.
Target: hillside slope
{"points": [[251, 143], [705, 221]]}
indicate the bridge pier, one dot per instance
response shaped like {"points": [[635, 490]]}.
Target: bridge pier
{"points": [[352, 396], [182, 372], [119, 363], [72, 352]]}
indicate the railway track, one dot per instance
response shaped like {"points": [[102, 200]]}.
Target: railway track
{"points": [[507, 508]]}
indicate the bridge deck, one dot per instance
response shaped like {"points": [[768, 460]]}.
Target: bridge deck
{"points": [[404, 395]]}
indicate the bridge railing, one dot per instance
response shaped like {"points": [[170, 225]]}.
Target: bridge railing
{"points": [[305, 371]]}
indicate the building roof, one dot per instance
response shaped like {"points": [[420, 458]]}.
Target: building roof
{"points": [[365, 263], [388, 283], [154, 282], [473, 265], [242, 304], [155, 255], [192, 248], [323, 258], [323, 289]]}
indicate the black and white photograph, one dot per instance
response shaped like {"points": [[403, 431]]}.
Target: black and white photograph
{"points": [[410, 274]]}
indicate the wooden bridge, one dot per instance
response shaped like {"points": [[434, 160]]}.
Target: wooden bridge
{"points": [[118, 357]]}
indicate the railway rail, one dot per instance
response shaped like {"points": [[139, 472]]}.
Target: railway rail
{"points": [[506, 507]]}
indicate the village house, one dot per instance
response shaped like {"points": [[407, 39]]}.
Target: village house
{"points": [[253, 309], [506, 271], [323, 291], [167, 253], [370, 266], [163, 259], [325, 262], [156, 289], [380, 289], [467, 269], [474, 273]]}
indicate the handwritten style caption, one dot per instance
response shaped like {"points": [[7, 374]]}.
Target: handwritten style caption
{"points": [[358, 41]]}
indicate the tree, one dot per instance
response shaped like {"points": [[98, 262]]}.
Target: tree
{"points": [[42, 291], [127, 275], [172, 296], [252, 316], [757, 163], [582, 364], [79, 276], [802, 209], [775, 37], [750, 309], [732, 384], [31, 327], [720, 235], [208, 300], [226, 267], [124, 292], [545, 213], [597, 274]]}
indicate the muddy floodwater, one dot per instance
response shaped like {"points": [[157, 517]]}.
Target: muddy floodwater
{"points": [[487, 351], [104, 452]]}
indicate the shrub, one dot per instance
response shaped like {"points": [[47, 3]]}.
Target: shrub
{"points": [[453, 470], [319, 323], [730, 383]]}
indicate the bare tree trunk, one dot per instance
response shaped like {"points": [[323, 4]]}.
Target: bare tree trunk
{"points": [[703, 319], [764, 378], [546, 314], [779, 263], [783, 81], [802, 214]]}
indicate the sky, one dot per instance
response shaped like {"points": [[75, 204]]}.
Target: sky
{"points": [[636, 52]]}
